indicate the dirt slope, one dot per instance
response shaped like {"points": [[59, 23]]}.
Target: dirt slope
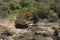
{"points": [[43, 27]]}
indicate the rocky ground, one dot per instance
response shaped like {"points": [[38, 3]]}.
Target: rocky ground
{"points": [[43, 28]]}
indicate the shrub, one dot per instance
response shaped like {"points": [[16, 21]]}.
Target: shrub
{"points": [[42, 11], [4, 9], [14, 6], [52, 16], [24, 3]]}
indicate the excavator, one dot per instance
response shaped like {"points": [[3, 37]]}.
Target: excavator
{"points": [[21, 21]]}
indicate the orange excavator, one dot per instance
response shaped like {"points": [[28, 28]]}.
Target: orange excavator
{"points": [[21, 21]]}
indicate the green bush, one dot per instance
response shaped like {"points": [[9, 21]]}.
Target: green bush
{"points": [[14, 6], [4, 9], [52, 14], [42, 8], [24, 3], [42, 11]]}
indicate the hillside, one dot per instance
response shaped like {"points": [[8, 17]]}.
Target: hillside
{"points": [[46, 11], [43, 31]]}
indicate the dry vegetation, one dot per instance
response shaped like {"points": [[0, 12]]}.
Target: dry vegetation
{"points": [[44, 31], [47, 11]]}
